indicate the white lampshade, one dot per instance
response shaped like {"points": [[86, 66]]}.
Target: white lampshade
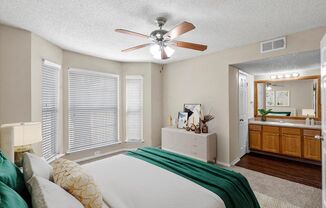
{"points": [[24, 133], [156, 51]]}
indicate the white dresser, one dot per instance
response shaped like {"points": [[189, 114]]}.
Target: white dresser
{"points": [[199, 146]]}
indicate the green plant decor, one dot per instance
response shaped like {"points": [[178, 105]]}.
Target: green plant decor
{"points": [[264, 113]]}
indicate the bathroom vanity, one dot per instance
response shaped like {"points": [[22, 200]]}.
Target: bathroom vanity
{"points": [[293, 139]]}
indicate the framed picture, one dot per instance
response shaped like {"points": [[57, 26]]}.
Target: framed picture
{"points": [[282, 98], [182, 120], [194, 113], [270, 98]]}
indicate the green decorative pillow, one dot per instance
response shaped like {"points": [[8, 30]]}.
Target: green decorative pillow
{"points": [[10, 199], [13, 177]]}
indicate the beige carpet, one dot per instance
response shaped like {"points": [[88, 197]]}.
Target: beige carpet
{"points": [[273, 192]]}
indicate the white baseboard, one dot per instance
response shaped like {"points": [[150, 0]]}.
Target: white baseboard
{"points": [[235, 161], [223, 164]]}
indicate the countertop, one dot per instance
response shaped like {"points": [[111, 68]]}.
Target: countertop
{"points": [[286, 123]]}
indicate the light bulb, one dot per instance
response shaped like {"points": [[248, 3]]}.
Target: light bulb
{"points": [[287, 75], [296, 74], [273, 77]]}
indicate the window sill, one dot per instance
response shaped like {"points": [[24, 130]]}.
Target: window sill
{"points": [[87, 149], [135, 141], [55, 157]]}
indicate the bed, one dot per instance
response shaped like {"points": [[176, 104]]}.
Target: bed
{"points": [[150, 177]]}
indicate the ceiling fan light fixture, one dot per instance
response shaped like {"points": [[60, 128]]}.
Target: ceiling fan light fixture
{"points": [[156, 51]]}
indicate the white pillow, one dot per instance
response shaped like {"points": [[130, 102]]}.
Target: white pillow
{"points": [[35, 165], [46, 194]]}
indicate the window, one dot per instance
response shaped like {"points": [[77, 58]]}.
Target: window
{"points": [[93, 109], [134, 108], [50, 86]]}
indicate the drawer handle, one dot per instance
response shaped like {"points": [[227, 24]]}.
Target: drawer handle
{"points": [[319, 138]]}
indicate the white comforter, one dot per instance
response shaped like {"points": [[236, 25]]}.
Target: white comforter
{"points": [[127, 182]]}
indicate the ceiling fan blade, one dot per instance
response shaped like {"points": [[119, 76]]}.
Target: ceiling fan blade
{"points": [[179, 30], [128, 32], [136, 47], [163, 54], [193, 46]]}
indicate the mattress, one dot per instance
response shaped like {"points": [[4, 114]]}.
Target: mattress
{"points": [[127, 182]]}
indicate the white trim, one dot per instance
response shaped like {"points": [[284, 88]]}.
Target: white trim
{"points": [[50, 63], [55, 157], [134, 141], [89, 71], [223, 164], [107, 145], [235, 161]]}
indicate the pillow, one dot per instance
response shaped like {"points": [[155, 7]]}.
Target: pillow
{"points": [[46, 194], [11, 175], [35, 165], [10, 199], [70, 176]]}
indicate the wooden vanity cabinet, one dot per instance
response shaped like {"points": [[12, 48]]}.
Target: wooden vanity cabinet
{"points": [[255, 137], [291, 142], [271, 139], [311, 147], [287, 141]]}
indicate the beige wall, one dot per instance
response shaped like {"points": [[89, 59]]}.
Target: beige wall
{"points": [[15, 73], [205, 80], [157, 108]]}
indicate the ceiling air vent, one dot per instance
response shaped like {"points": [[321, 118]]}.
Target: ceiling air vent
{"points": [[273, 45]]}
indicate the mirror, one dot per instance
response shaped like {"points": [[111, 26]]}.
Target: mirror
{"points": [[289, 98]]}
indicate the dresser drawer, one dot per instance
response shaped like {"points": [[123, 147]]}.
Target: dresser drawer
{"points": [[272, 129], [291, 131], [311, 132], [253, 127]]}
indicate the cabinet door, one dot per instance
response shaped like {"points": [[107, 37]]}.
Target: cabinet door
{"points": [[311, 148], [291, 145], [271, 142], [255, 140]]}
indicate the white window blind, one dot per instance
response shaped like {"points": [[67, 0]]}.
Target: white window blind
{"points": [[134, 108], [93, 109], [50, 86]]}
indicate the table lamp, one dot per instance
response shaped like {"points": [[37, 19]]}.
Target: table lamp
{"points": [[21, 136]]}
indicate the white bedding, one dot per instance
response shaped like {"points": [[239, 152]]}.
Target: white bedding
{"points": [[127, 182]]}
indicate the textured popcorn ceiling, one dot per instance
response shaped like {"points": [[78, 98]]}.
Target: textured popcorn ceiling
{"points": [[87, 26], [309, 60]]}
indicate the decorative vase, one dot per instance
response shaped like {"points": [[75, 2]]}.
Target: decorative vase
{"points": [[263, 118], [197, 130], [193, 127], [204, 128]]}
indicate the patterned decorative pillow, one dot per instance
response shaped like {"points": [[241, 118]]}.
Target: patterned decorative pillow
{"points": [[71, 177]]}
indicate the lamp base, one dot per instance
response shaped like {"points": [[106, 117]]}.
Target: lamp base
{"points": [[19, 152]]}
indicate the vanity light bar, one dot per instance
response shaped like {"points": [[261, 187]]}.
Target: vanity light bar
{"points": [[281, 76]]}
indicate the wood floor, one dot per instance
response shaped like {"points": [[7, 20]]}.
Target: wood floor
{"points": [[307, 174]]}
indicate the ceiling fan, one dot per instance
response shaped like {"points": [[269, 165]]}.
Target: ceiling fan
{"points": [[161, 39]]}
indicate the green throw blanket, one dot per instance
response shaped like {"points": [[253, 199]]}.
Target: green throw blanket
{"points": [[231, 187]]}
